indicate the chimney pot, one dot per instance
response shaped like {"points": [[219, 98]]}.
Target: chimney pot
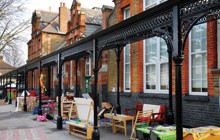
{"points": [[64, 4], [60, 4]]}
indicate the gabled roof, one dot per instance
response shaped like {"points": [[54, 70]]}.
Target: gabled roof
{"points": [[4, 65], [49, 21], [47, 17], [93, 16]]}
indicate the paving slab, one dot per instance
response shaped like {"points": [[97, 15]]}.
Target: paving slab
{"points": [[23, 126]]}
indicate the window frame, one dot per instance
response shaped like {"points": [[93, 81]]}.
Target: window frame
{"points": [[190, 66], [124, 59], [90, 66], [157, 71]]}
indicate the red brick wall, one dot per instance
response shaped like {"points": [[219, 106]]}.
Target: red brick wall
{"points": [[211, 53], [185, 69]]}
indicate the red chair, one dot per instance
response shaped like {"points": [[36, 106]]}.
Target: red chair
{"points": [[159, 117], [133, 111]]}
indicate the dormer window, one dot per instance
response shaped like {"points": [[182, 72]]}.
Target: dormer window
{"points": [[151, 3]]}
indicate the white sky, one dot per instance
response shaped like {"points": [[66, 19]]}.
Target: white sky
{"points": [[55, 4]]}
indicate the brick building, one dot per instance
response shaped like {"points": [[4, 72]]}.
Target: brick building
{"points": [[52, 31], [144, 69], [48, 35], [144, 64]]}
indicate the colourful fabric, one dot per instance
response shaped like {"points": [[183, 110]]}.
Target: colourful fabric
{"points": [[166, 133], [201, 133]]}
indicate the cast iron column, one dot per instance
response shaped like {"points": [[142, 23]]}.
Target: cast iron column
{"points": [[16, 89], [25, 89], [178, 58], [40, 101], [170, 115], [59, 117], [10, 98], [6, 89], [32, 74], [48, 81], [118, 53], [95, 133], [77, 94]]}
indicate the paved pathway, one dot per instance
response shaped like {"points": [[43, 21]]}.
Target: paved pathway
{"points": [[22, 126]]}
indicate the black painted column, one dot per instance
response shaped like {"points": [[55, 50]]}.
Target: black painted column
{"points": [[10, 98], [170, 115], [6, 99], [32, 75], [95, 133], [178, 58], [48, 81], [25, 89], [118, 53], [77, 94], [59, 117], [16, 89], [40, 100]]}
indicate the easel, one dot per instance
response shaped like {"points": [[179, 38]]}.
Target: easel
{"points": [[81, 127]]}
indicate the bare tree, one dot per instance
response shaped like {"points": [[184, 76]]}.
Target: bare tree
{"points": [[12, 30]]}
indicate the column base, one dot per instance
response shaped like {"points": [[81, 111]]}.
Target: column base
{"points": [[95, 134], [16, 103], [59, 122], [25, 107], [118, 109], [170, 118], [40, 111], [10, 101]]}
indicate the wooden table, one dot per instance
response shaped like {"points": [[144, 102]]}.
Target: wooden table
{"points": [[119, 118]]}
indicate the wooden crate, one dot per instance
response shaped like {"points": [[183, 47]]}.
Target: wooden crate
{"points": [[80, 129]]}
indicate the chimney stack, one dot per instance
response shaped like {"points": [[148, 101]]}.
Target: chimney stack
{"points": [[63, 17], [106, 12]]}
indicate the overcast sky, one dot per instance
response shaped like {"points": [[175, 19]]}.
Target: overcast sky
{"points": [[54, 4]]}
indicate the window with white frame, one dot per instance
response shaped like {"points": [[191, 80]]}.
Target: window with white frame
{"points": [[88, 66], [151, 3], [127, 78], [198, 60], [155, 65], [54, 74]]}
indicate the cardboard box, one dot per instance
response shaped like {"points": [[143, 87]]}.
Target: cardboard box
{"points": [[2, 101]]}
